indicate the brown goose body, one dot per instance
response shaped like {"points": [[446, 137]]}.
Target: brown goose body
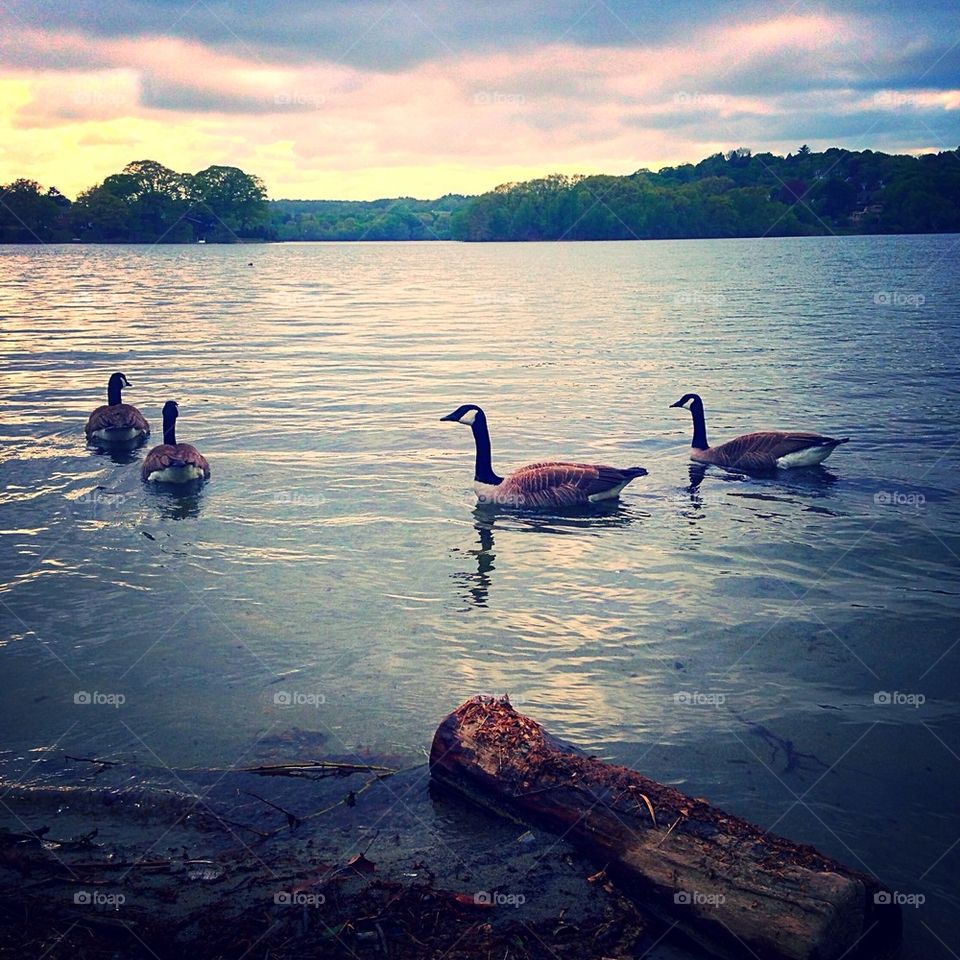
{"points": [[172, 462], [115, 421], [544, 484], [765, 450], [769, 450], [559, 484], [122, 421], [175, 463]]}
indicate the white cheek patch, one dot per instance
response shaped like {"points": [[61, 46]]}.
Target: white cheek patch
{"points": [[469, 417]]}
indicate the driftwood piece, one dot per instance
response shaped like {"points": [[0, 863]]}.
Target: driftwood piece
{"points": [[727, 884]]}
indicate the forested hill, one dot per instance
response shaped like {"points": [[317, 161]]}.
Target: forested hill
{"points": [[403, 219], [145, 202], [737, 194]]}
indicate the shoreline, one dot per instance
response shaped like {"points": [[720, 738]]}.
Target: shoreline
{"points": [[424, 240], [125, 860]]}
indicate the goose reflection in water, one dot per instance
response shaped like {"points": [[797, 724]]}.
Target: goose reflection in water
{"points": [[807, 482], [177, 505], [695, 511], [486, 516], [477, 585], [122, 454], [696, 472]]}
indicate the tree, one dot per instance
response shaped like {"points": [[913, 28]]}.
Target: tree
{"points": [[150, 203], [101, 216], [30, 215], [156, 198], [792, 191], [235, 199], [149, 177], [735, 194]]}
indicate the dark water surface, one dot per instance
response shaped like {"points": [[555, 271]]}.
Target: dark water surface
{"points": [[787, 647]]}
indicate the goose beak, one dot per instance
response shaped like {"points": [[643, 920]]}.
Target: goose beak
{"points": [[452, 417]]}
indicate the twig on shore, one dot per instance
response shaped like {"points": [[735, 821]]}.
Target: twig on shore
{"points": [[293, 821], [40, 838], [349, 800], [329, 767]]}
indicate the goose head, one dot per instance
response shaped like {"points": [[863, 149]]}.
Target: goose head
{"points": [[466, 414], [699, 421], [687, 398], [115, 384], [170, 410]]}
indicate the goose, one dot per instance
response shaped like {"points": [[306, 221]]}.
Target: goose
{"points": [[756, 451], [172, 462], [116, 422], [543, 484]]}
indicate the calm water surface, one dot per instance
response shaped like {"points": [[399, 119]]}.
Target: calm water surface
{"points": [[725, 634]]}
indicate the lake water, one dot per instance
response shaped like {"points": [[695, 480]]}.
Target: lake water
{"points": [[729, 635]]}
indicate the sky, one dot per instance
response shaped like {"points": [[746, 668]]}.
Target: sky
{"points": [[363, 99]]}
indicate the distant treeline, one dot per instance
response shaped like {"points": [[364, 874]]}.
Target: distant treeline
{"points": [[145, 203], [403, 219], [737, 194]]}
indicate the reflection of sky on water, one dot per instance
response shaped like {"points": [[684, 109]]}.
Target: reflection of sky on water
{"points": [[337, 550]]}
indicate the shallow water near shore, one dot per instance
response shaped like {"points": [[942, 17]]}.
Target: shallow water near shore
{"points": [[785, 646]]}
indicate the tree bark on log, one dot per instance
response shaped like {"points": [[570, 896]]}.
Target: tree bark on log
{"points": [[727, 884]]}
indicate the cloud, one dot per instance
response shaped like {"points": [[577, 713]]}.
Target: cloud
{"points": [[380, 34], [454, 94], [393, 35]]}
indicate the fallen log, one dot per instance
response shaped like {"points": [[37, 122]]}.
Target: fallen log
{"points": [[732, 887]]}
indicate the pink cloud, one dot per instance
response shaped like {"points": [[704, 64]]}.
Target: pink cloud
{"points": [[548, 106]]}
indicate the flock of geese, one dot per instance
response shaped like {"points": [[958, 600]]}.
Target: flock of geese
{"points": [[545, 484], [117, 422]]}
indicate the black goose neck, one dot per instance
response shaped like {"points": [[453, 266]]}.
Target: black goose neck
{"points": [[699, 425], [113, 392], [170, 429], [481, 435]]}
